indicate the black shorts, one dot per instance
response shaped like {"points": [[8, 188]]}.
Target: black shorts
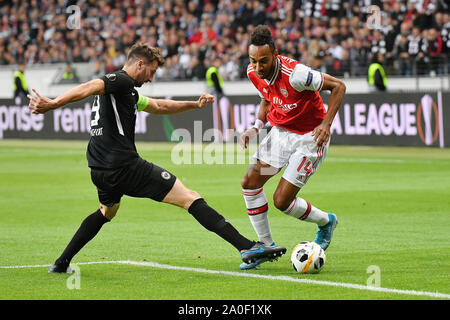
{"points": [[140, 179]]}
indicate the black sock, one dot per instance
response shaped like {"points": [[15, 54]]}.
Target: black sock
{"points": [[212, 221], [87, 230]]}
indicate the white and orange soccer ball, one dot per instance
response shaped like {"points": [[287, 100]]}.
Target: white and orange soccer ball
{"points": [[308, 257]]}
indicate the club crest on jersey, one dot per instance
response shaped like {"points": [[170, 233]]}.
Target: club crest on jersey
{"points": [[111, 76], [165, 175], [284, 92]]}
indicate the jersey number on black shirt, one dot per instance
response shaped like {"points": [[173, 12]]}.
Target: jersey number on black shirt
{"points": [[113, 121]]}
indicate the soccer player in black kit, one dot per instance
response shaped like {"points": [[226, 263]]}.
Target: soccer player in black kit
{"points": [[116, 167]]}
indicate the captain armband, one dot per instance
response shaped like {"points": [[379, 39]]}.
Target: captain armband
{"points": [[142, 103]]}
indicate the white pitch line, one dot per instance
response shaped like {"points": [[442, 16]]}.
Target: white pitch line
{"points": [[28, 266], [257, 276]]}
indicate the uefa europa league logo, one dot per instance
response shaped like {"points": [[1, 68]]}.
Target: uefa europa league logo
{"points": [[425, 111], [426, 107]]}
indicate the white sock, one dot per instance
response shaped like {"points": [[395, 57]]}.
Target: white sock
{"points": [[257, 209], [303, 210]]}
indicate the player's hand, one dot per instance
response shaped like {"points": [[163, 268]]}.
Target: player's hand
{"points": [[246, 136], [204, 99], [40, 104], [321, 133]]}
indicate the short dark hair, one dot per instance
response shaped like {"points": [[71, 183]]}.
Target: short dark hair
{"points": [[262, 36], [142, 51]]}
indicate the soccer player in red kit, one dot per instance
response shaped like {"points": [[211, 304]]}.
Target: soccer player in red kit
{"points": [[298, 141]]}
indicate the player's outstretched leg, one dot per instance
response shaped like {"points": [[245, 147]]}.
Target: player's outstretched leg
{"points": [[256, 263], [85, 233], [250, 251], [213, 221], [261, 252]]}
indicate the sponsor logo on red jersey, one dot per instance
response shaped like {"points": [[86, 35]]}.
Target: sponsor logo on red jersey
{"points": [[297, 111]]}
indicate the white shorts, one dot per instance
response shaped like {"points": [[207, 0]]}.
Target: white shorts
{"points": [[297, 152]]}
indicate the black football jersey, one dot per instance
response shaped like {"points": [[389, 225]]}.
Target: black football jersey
{"points": [[113, 120]]}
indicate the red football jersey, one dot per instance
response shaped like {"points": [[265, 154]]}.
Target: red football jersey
{"points": [[293, 92]]}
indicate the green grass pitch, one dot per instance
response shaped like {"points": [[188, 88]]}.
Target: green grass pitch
{"points": [[393, 206]]}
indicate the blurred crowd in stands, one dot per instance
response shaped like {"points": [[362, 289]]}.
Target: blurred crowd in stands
{"points": [[337, 37]]}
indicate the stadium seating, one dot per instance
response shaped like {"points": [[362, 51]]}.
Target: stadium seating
{"points": [[337, 37]]}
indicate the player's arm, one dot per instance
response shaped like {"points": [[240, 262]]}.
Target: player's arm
{"points": [[337, 87], [305, 78], [261, 120], [264, 108], [41, 104], [161, 106]]}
